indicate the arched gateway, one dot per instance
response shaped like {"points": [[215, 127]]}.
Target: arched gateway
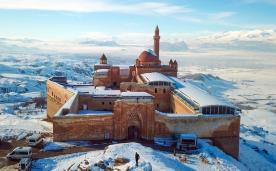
{"points": [[134, 116], [133, 133], [134, 126]]}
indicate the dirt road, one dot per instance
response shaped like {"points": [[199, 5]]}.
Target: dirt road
{"points": [[6, 147]]}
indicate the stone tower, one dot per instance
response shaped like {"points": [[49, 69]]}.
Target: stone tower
{"points": [[103, 59], [156, 39]]}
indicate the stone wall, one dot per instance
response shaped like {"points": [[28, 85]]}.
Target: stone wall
{"points": [[113, 78], [179, 106], [139, 114], [101, 66], [102, 81], [105, 103], [161, 130], [161, 94], [83, 127], [224, 130], [57, 96], [164, 69]]}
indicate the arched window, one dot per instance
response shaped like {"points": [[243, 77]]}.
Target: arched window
{"points": [[164, 90], [155, 90]]}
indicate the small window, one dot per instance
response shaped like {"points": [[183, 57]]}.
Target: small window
{"points": [[84, 107], [22, 153], [102, 103], [155, 90], [157, 106], [164, 90], [110, 103]]}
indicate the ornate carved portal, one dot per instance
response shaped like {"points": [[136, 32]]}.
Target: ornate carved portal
{"points": [[134, 126], [133, 133]]}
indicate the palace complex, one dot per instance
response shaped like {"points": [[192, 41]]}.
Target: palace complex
{"points": [[141, 101]]}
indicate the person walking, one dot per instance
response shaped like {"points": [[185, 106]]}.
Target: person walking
{"points": [[137, 157]]}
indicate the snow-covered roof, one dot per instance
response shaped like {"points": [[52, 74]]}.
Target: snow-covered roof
{"points": [[155, 77], [188, 136], [100, 88], [199, 96], [102, 64], [90, 113], [135, 94], [101, 93], [101, 71], [151, 52], [94, 112], [84, 88]]}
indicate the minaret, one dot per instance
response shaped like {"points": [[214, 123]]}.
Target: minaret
{"points": [[156, 39]]}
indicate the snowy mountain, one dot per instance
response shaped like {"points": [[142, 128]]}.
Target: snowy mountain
{"points": [[23, 76]]}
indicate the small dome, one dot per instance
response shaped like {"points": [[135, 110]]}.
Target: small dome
{"points": [[148, 56], [103, 57]]}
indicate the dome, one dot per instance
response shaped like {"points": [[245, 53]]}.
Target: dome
{"points": [[148, 56], [103, 57]]}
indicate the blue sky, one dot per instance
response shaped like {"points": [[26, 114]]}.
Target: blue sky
{"points": [[196, 27], [72, 19]]}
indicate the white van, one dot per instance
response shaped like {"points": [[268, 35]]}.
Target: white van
{"points": [[25, 164], [187, 142], [20, 152], [34, 140]]}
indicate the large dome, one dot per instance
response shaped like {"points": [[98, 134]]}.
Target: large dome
{"points": [[148, 56]]}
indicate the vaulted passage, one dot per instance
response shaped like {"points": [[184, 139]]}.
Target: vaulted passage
{"points": [[133, 133]]}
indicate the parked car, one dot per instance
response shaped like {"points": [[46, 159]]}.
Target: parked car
{"points": [[25, 164], [186, 142], [20, 152], [165, 141], [35, 140]]}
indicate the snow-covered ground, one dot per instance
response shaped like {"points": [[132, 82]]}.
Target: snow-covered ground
{"points": [[23, 77], [208, 158], [258, 134], [23, 121], [248, 82]]}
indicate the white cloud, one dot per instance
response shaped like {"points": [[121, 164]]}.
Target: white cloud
{"points": [[94, 6], [262, 41], [222, 15], [258, 42], [205, 18], [265, 35]]}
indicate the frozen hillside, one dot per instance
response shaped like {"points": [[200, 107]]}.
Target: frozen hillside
{"points": [[258, 102], [250, 85], [121, 156], [22, 88], [22, 121]]}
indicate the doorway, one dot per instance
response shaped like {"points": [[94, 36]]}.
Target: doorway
{"points": [[133, 133]]}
